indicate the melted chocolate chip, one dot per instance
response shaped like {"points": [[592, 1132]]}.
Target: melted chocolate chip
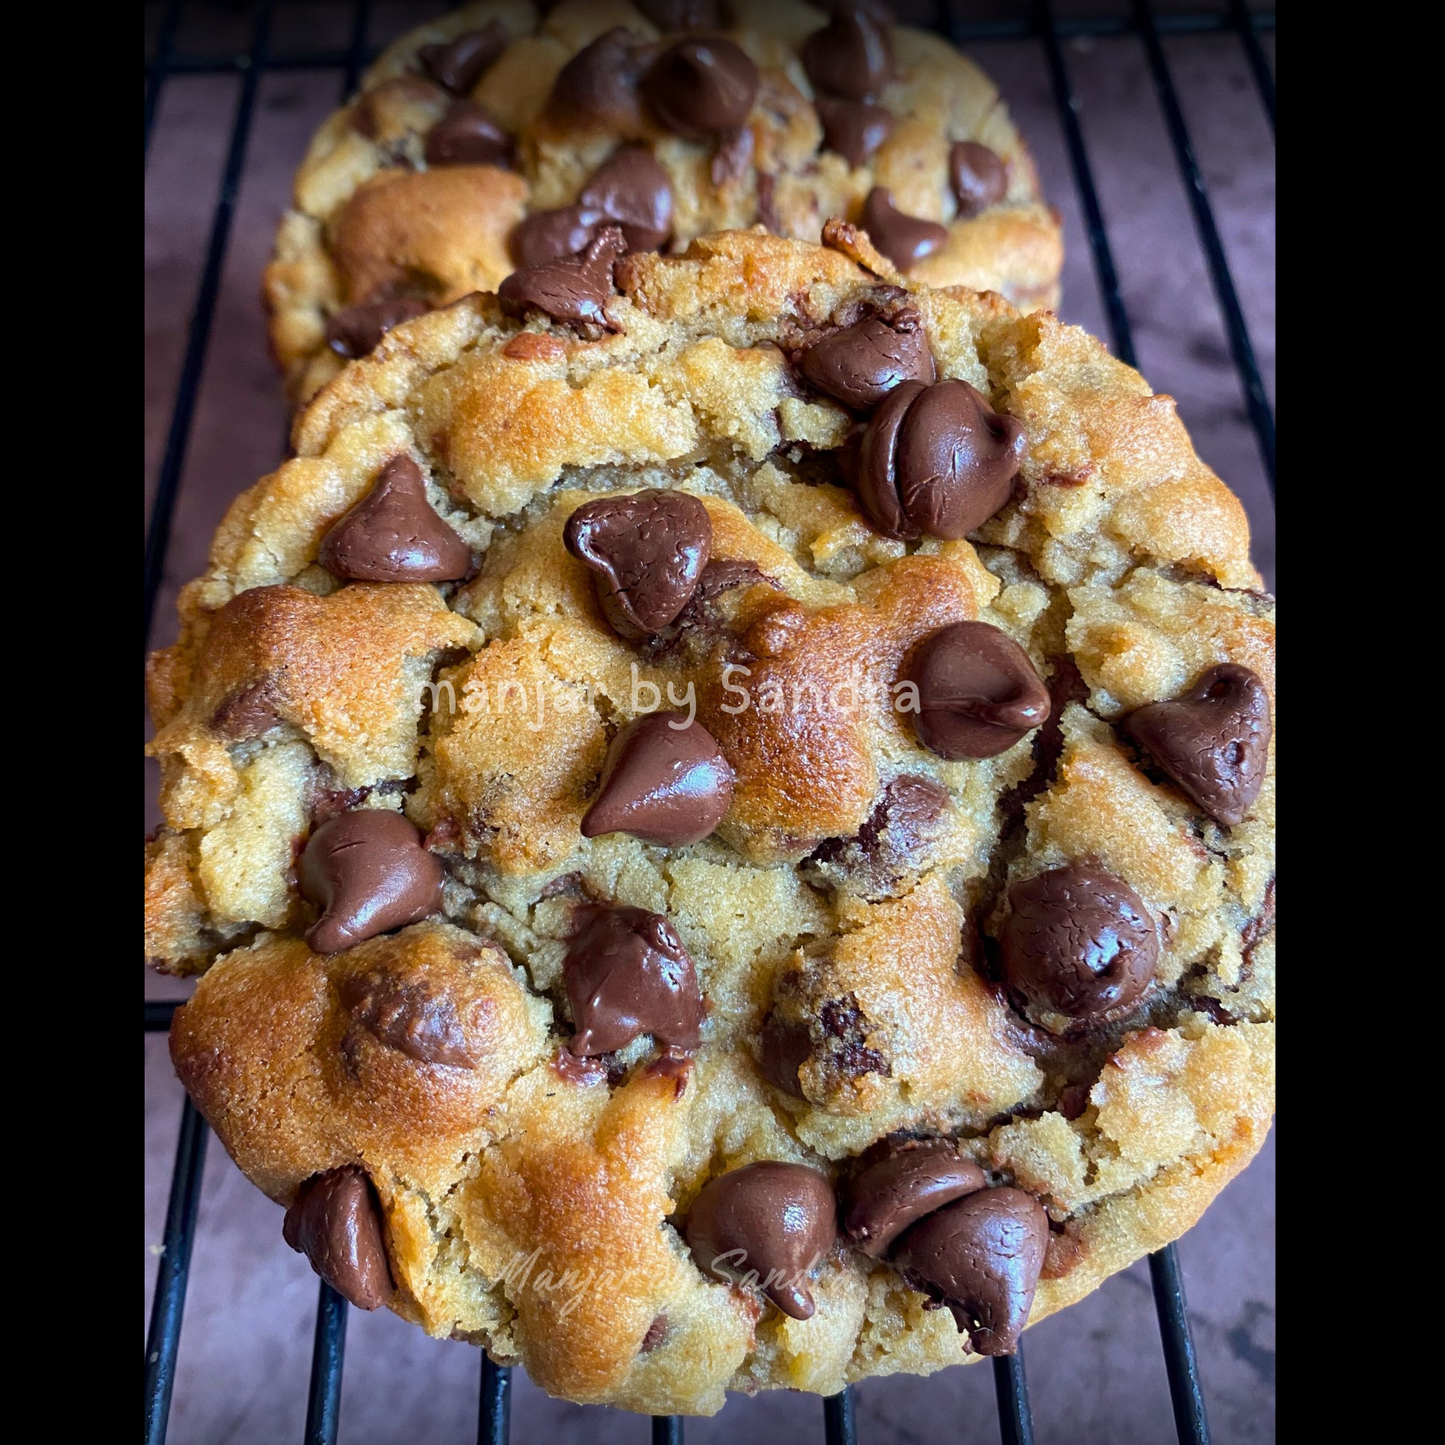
{"points": [[936, 460], [978, 693], [701, 87], [981, 1256], [892, 844], [599, 86], [656, 1333], [912, 1178], [467, 136], [574, 289], [853, 128], [1212, 740], [851, 56], [357, 330], [627, 975], [336, 1223], [904, 239], [1078, 941], [394, 535], [459, 64], [783, 1049], [648, 552], [407, 1017], [249, 712], [549, 235], [682, 14], [665, 781], [768, 1224], [861, 364], [369, 874], [632, 190], [733, 156], [978, 176]]}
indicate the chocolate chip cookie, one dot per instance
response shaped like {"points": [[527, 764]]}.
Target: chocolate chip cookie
{"points": [[508, 134], [726, 804]]}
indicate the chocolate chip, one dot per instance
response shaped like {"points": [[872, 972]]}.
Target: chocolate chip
{"points": [[768, 216], [459, 64], [861, 364], [407, 1017], [357, 330], [632, 190], [890, 846], [981, 1257], [368, 873], [783, 1049], [1078, 941], [249, 712], [467, 136], [904, 239], [394, 535], [336, 1223], [665, 781], [978, 692], [627, 975], [682, 14], [647, 550], [548, 235], [979, 177], [733, 157], [767, 1223], [573, 289], [701, 87], [853, 128], [1212, 740], [599, 86], [937, 460], [912, 1178], [656, 1333], [851, 56]]}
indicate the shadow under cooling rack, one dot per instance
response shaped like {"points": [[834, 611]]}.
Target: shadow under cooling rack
{"points": [[1039, 24]]}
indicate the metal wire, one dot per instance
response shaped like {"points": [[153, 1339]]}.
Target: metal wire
{"points": [[1011, 1390], [158, 533], [1256, 402], [328, 1353], [1185, 1389], [839, 1411], [494, 1416], [164, 1337]]}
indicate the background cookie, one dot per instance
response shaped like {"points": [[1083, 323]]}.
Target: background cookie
{"points": [[500, 134], [863, 924]]}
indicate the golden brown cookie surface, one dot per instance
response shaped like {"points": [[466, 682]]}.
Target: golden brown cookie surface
{"points": [[925, 908]]}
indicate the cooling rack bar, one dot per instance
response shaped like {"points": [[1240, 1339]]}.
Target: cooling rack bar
{"points": [[158, 533], [158, 1014], [1120, 334], [494, 1415], [1011, 1390], [169, 1304], [157, 70], [328, 1354], [1248, 25], [1184, 1389], [1256, 402], [840, 1424], [667, 1430]]}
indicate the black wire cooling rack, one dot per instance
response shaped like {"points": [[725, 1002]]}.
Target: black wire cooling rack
{"points": [[950, 17]]}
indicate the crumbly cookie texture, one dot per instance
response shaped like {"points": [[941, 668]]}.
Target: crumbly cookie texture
{"points": [[402, 201], [856, 927]]}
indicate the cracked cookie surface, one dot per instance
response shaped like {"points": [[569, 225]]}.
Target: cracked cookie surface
{"points": [[505, 131], [869, 946]]}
